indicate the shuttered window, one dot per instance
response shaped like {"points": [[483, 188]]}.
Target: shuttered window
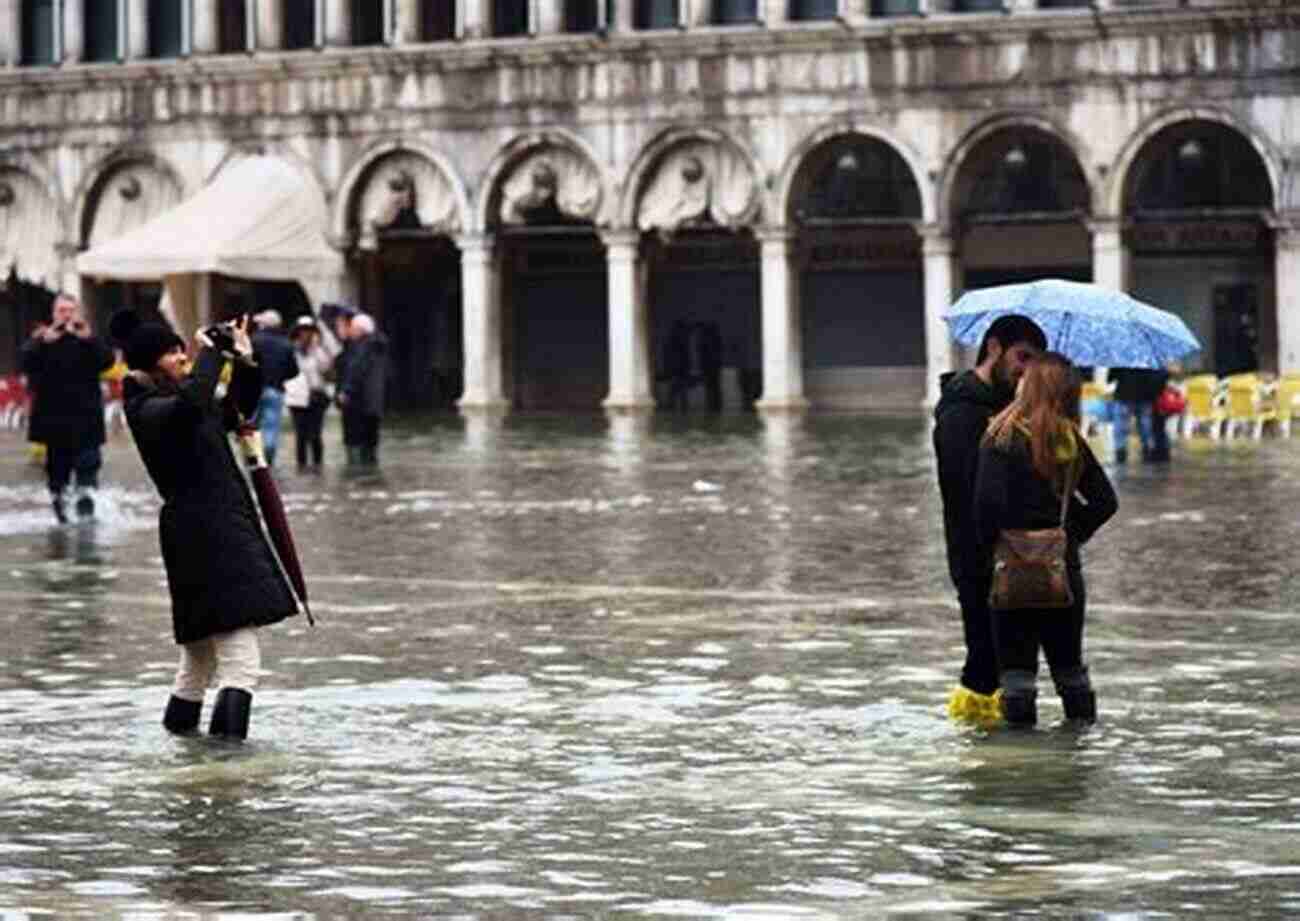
{"points": [[656, 14], [299, 23], [509, 17], [165, 29], [38, 32], [101, 30]]}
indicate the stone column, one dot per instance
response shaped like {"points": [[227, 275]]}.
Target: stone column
{"points": [[338, 23], [204, 27], [270, 23], [629, 325], [137, 29], [74, 31], [938, 254], [406, 31], [623, 19], [1110, 259], [481, 298], [545, 18], [10, 32], [1287, 285], [475, 18], [782, 337], [774, 13]]}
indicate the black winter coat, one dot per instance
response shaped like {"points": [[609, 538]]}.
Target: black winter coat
{"points": [[1138, 385], [364, 375], [276, 357], [221, 570], [1011, 494], [961, 416], [68, 409]]}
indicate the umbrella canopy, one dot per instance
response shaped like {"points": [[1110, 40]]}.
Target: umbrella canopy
{"points": [[1088, 324]]}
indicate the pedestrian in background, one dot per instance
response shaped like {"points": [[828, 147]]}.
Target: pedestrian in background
{"points": [[307, 394], [968, 401], [223, 575], [275, 356], [63, 360], [1032, 457], [361, 389], [1136, 390]]}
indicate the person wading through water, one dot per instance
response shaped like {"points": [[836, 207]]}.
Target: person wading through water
{"points": [[967, 401], [224, 577]]}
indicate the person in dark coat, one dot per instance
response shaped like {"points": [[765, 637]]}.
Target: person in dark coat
{"points": [[1136, 390], [275, 356], [1032, 451], [224, 577], [968, 400], [361, 388], [63, 360]]}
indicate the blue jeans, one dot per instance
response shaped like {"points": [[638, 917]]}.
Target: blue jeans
{"points": [[1121, 414], [270, 410]]}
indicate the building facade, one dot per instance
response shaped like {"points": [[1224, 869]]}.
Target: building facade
{"points": [[535, 196]]}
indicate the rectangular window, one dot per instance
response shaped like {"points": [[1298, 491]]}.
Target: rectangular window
{"points": [[805, 10], [656, 14], [735, 12], [509, 17], [165, 28], [232, 27], [438, 20], [895, 7], [979, 6], [581, 16], [101, 30], [299, 23], [38, 32], [368, 22]]}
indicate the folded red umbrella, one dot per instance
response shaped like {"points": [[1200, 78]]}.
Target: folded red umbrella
{"points": [[273, 514]]}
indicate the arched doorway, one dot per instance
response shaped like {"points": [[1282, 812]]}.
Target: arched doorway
{"points": [[29, 262], [698, 202], [401, 217], [553, 280], [129, 193], [1021, 202], [856, 203], [1196, 199]]}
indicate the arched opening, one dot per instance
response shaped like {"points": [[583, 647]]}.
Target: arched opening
{"points": [[554, 297], [402, 218], [704, 293], [1020, 204], [862, 295], [1196, 200]]}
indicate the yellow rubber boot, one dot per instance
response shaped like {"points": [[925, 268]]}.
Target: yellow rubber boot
{"points": [[983, 710]]}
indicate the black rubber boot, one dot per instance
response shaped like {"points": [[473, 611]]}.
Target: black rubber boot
{"points": [[1077, 697], [181, 716], [1020, 699], [60, 513], [230, 714]]}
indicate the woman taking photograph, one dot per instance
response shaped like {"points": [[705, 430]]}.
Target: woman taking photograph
{"points": [[1032, 453], [224, 578]]}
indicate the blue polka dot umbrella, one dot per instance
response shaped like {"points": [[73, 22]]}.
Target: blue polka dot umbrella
{"points": [[1088, 324]]}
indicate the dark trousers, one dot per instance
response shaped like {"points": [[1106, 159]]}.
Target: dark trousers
{"points": [[1059, 632], [361, 435], [980, 671], [62, 461], [307, 424]]}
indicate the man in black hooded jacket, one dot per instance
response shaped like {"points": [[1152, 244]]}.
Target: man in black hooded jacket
{"points": [[968, 401]]}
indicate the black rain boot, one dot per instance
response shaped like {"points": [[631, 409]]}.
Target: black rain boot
{"points": [[1020, 699], [182, 716], [1077, 696], [230, 714], [86, 503], [354, 455], [60, 513]]}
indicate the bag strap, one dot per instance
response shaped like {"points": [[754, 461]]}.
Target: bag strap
{"points": [[1067, 487]]}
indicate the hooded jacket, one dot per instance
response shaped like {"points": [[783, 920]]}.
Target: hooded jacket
{"points": [[966, 404], [221, 570], [1010, 493]]}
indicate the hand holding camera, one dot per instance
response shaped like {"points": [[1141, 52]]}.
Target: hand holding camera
{"points": [[230, 338]]}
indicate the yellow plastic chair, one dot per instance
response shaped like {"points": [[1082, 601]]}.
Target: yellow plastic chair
{"points": [[1248, 405], [1205, 399], [1286, 401]]}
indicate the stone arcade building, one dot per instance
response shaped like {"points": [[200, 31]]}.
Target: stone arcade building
{"points": [[531, 194]]}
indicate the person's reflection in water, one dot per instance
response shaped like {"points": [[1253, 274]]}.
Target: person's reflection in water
{"points": [[72, 575], [1041, 772]]}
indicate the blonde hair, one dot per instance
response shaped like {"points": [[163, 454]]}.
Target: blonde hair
{"points": [[1046, 402]]}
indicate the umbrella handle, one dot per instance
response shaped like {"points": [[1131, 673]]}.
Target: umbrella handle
{"points": [[250, 444]]}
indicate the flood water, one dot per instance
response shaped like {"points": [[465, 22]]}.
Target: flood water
{"points": [[681, 669]]}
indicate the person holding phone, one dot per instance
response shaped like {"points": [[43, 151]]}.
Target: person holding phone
{"points": [[63, 360]]}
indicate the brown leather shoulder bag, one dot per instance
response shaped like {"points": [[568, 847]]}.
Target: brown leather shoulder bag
{"points": [[1029, 568]]}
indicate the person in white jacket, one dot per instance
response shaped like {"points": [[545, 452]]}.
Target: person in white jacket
{"points": [[307, 395]]}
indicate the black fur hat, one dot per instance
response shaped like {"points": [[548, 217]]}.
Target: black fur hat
{"points": [[143, 342]]}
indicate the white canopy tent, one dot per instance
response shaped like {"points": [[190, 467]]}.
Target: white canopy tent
{"points": [[260, 219]]}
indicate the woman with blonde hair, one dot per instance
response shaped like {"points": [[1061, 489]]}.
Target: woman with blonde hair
{"points": [[1032, 453]]}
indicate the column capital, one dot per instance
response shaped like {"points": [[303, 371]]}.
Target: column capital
{"points": [[1286, 230], [476, 243], [936, 239], [620, 238], [776, 234], [1105, 223]]}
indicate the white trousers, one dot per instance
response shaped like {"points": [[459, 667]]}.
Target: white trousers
{"points": [[226, 660]]}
